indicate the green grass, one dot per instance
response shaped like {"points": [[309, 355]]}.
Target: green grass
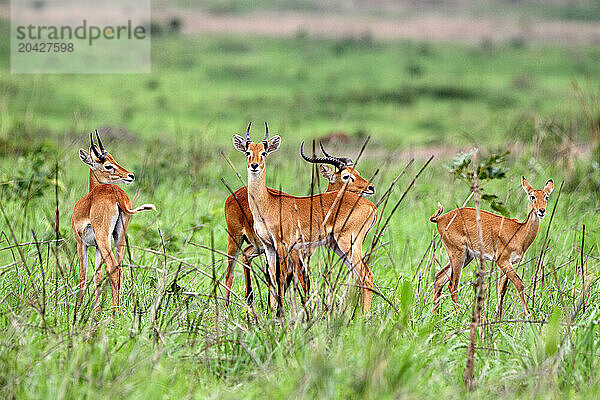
{"points": [[177, 120], [405, 93]]}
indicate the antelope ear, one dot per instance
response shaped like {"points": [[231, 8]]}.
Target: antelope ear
{"points": [[87, 159], [526, 186], [549, 186], [240, 143], [273, 144], [327, 173]]}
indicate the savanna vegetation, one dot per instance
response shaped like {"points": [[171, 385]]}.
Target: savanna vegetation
{"points": [[531, 110]]}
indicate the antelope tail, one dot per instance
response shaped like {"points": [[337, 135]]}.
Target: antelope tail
{"points": [[143, 207], [439, 212]]}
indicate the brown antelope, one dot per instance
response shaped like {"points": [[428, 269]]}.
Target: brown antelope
{"points": [[505, 241], [240, 224], [283, 222], [101, 214]]}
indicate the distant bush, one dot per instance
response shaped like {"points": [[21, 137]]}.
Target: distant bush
{"points": [[174, 24], [365, 40], [517, 42], [301, 34], [403, 95], [490, 168], [425, 50], [414, 70], [152, 84]]}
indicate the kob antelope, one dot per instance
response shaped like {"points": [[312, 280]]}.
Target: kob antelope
{"points": [[505, 241], [101, 214], [283, 222], [240, 224]]}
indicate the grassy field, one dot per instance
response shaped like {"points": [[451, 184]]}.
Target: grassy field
{"points": [[175, 337], [581, 10]]}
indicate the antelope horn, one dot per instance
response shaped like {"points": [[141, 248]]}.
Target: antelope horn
{"points": [[94, 148], [344, 160], [322, 160], [248, 133], [266, 139], [100, 143]]}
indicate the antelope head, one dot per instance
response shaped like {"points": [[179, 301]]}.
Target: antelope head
{"points": [[256, 152], [538, 198], [342, 174], [103, 165]]}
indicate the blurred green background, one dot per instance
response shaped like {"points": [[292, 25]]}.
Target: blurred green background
{"points": [[523, 78]]}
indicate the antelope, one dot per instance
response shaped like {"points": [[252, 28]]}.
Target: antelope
{"points": [[240, 224], [339, 220], [505, 241], [103, 213]]}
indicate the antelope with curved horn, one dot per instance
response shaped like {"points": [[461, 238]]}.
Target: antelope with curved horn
{"points": [[339, 219], [505, 241], [240, 224], [103, 213]]}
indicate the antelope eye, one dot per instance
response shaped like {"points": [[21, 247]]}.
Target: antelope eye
{"points": [[532, 197], [108, 167], [248, 154], [345, 177], [263, 153]]}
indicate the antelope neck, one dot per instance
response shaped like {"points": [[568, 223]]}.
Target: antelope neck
{"points": [[257, 192], [93, 181], [531, 227]]}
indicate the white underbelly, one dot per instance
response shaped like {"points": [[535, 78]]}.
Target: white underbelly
{"points": [[486, 256], [514, 257]]}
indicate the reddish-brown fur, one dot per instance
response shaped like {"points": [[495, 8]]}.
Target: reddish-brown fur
{"points": [[240, 226], [282, 222], [505, 241], [103, 213]]}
